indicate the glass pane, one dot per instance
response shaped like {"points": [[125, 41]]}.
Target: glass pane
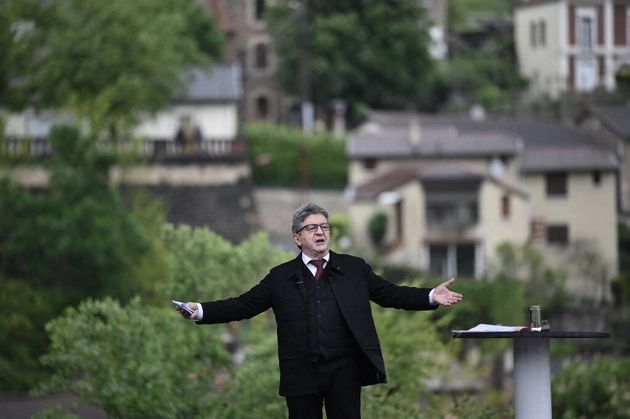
{"points": [[438, 260], [466, 260]]}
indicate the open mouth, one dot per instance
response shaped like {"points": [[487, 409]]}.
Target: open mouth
{"points": [[320, 241]]}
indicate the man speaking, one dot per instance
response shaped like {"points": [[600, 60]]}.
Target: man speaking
{"points": [[328, 347]]}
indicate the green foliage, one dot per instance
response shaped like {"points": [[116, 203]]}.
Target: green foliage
{"points": [[618, 315], [496, 302], [470, 407], [108, 61], [71, 241], [597, 389], [487, 76], [339, 231], [254, 385], [26, 308], [377, 228], [463, 13], [283, 156], [151, 273], [413, 353], [526, 264], [205, 266], [621, 286], [76, 236], [134, 361], [373, 53]]}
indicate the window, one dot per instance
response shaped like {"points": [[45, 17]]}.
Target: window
{"points": [[556, 184], [585, 28], [505, 206], [399, 219], [558, 234], [369, 164], [542, 33], [533, 37], [447, 260], [450, 215], [262, 107], [259, 9], [261, 56], [597, 178]]}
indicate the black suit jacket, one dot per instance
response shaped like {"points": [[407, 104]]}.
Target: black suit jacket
{"points": [[354, 284]]}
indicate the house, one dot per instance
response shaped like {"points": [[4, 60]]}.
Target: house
{"points": [[572, 45], [192, 156], [203, 116], [453, 189], [249, 42], [610, 125]]}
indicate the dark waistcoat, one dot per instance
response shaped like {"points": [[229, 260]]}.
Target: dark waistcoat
{"points": [[328, 333]]}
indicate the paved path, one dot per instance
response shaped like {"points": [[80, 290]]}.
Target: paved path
{"points": [[24, 408]]}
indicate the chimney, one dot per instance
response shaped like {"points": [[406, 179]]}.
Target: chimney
{"points": [[414, 131]]}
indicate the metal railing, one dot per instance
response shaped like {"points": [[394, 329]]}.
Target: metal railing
{"points": [[150, 148]]}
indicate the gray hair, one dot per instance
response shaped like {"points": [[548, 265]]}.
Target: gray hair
{"points": [[304, 211]]}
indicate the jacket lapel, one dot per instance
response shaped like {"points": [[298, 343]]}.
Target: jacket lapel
{"points": [[297, 277]]}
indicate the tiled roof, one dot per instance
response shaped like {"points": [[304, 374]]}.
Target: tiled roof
{"points": [[542, 145], [616, 118], [442, 177], [386, 182], [549, 159], [401, 134], [221, 83]]}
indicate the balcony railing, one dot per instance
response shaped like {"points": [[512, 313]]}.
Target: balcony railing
{"points": [[153, 149]]}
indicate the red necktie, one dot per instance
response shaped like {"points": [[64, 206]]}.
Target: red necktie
{"points": [[319, 263]]}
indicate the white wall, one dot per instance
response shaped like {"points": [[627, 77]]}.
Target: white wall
{"points": [[544, 65], [216, 121]]}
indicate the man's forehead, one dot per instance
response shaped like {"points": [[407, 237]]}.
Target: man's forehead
{"points": [[313, 218]]}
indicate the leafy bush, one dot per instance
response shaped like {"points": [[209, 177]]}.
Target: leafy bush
{"points": [[205, 266], [494, 302], [26, 308], [377, 227], [77, 235], [597, 389], [413, 353], [285, 157], [134, 361], [74, 240]]}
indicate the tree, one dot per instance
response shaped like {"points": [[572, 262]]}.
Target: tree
{"points": [[281, 156], [77, 236], [596, 389], [134, 361], [108, 61], [487, 76], [373, 53]]}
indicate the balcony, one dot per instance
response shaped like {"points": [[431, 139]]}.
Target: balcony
{"points": [[20, 149]]}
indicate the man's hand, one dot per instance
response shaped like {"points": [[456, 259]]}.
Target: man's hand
{"points": [[443, 296], [185, 314]]}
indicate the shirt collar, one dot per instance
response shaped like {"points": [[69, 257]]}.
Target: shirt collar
{"points": [[306, 259]]}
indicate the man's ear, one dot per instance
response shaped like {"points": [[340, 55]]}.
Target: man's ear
{"points": [[297, 240]]}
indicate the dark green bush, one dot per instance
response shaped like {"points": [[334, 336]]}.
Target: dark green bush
{"points": [[284, 157], [597, 389], [377, 227], [26, 309]]}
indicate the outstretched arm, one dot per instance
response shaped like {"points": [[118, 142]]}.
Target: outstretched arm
{"points": [[443, 296]]}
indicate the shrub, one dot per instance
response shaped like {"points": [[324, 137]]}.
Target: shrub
{"points": [[134, 361], [285, 157], [377, 227], [597, 389]]}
